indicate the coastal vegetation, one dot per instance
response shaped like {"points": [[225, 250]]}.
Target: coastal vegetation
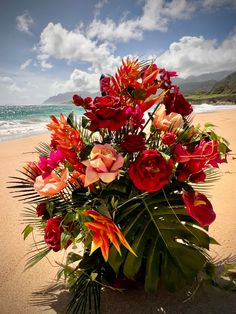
{"points": [[224, 90]]}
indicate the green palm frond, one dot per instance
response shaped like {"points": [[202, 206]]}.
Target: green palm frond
{"points": [[42, 251], [85, 295], [43, 149], [212, 175], [171, 247]]}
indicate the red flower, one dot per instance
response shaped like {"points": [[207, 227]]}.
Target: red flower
{"points": [[204, 155], [107, 112], [78, 100], [105, 84], [150, 172], [133, 143], [41, 209], [169, 138], [52, 235], [199, 207], [175, 102]]}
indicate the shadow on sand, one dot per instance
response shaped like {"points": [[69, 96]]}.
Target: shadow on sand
{"points": [[207, 299]]}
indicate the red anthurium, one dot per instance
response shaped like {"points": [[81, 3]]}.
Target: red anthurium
{"points": [[104, 230], [199, 207]]}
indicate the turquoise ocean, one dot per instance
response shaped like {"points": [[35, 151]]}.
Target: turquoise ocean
{"points": [[18, 121]]}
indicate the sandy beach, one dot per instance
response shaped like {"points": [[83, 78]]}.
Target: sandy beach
{"points": [[17, 288]]}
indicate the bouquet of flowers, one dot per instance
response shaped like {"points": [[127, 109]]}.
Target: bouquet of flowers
{"points": [[128, 182]]}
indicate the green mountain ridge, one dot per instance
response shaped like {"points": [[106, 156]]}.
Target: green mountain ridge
{"points": [[225, 86], [222, 91]]}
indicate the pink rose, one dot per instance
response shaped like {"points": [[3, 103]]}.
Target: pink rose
{"points": [[104, 164], [52, 184]]}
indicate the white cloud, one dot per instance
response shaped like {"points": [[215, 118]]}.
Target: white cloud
{"points": [[197, 55], [218, 3], [98, 7], [26, 64], [23, 23], [8, 83], [80, 81], [58, 42], [5, 80], [157, 14], [42, 60]]}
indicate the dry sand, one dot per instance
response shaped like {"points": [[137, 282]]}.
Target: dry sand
{"points": [[17, 288]]}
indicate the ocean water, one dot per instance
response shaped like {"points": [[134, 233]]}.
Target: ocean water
{"points": [[18, 121]]}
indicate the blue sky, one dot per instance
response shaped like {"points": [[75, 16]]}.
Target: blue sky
{"points": [[51, 47]]}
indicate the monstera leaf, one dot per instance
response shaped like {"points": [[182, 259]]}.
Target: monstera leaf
{"points": [[170, 245]]}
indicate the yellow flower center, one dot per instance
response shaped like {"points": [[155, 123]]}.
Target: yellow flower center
{"points": [[199, 203]]}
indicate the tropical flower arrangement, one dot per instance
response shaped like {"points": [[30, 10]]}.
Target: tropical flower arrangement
{"points": [[127, 182]]}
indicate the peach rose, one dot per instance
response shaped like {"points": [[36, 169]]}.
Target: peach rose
{"points": [[162, 121], [52, 184], [104, 164]]}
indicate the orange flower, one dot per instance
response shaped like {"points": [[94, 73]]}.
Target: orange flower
{"points": [[63, 135], [51, 184], [162, 121], [142, 81], [104, 230]]}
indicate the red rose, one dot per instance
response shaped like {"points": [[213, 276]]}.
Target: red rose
{"points": [[133, 143], [199, 207], [169, 138], [52, 235], [86, 103], [175, 102], [41, 209], [78, 100], [107, 112], [151, 171]]}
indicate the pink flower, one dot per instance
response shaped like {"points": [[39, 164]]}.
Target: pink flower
{"points": [[52, 184], [162, 121], [135, 115], [199, 207], [105, 85], [104, 164], [50, 163]]}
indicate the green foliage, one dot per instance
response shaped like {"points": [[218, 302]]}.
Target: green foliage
{"points": [[85, 295], [170, 246], [28, 229]]}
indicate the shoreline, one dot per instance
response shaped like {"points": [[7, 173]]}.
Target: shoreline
{"points": [[18, 288], [45, 132]]}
